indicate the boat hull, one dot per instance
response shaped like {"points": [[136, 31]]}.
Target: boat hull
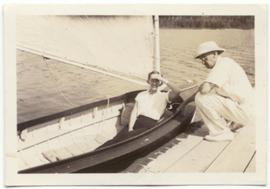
{"points": [[136, 144], [101, 159]]}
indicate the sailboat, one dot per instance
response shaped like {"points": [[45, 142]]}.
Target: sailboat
{"points": [[72, 141]]}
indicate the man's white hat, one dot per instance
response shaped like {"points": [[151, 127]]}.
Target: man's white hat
{"points": [[207, 47]]}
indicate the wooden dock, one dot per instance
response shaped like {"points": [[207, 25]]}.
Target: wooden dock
{"points": [[189, 152]]}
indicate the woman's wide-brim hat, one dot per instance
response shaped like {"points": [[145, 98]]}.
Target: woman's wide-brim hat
{"points": [[209, 46]]}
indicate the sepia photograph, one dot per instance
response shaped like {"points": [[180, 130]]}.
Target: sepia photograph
{"points": [[127, 94]]}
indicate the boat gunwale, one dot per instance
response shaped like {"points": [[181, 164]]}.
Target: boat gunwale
{"points": [[31, 123]]}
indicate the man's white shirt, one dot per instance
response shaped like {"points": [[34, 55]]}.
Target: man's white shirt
{"points": [[230, 77]]}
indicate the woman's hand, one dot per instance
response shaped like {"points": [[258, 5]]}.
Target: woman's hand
{"points": [[160, 78]]}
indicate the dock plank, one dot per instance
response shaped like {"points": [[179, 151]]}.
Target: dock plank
{"points": [[162, 158], [199, 158], [165, 160], [238, 154]]}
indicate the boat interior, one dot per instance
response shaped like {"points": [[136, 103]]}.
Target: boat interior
{"points": [[75, 134]]}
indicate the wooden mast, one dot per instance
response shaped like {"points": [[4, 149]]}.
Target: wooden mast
{"points": [[156, 66]]}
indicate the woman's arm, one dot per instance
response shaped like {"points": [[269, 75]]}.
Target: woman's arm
{"points": [[174, 92], [133, 117]]}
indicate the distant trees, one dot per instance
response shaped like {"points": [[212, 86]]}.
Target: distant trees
{"points": [[213, 22]]}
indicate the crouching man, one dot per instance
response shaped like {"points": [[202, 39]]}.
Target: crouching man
{"points": [[226, 95]]}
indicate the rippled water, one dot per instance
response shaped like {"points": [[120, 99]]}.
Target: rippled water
{"points": [[178, 48], [39, 83]]}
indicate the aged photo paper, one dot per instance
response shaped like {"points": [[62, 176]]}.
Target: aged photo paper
{"points": [[75, 75]]}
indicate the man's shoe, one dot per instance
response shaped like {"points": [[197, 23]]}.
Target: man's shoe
{"points": [[227, 136], [235, 126]]}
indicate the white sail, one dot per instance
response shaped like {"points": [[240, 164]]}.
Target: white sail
{"points": [[124, 44]]}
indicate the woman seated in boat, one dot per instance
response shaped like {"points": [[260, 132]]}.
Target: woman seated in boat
{"points": [[151, 104]]}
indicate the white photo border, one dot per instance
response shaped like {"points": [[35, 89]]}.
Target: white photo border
{"points": [[261, 30]]}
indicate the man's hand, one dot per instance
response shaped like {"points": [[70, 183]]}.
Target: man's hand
{"points": [[208, 88], [205, 88]]}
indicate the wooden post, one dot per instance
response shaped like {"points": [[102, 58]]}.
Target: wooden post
{"points": [[156, 66]]}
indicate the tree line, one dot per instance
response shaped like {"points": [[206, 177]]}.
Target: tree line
{"points": [[211, 22]]}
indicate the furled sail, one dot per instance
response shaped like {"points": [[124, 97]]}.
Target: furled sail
{"points": [[122, 44]]}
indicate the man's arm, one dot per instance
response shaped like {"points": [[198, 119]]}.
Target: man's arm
{"points": [[207, 88]]}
